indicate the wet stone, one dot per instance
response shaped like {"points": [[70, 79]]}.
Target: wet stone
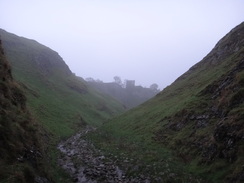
{"points": [[86, 164]]}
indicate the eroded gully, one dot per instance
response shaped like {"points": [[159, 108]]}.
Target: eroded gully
{"points": [[86, 164]]}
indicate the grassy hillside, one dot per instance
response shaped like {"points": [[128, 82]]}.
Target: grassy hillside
{"points": [[194, 127], [22, 156], [59, 100]]}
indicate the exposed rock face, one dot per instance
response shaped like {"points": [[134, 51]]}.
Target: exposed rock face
{"points": [[5, 68], [19, 143], [215, 125], [12, 102]]}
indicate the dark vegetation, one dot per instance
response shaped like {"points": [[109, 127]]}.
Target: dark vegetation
{"points": [[192, 131], [22, 155], [126, 93], [59, 101], [194, 127]]}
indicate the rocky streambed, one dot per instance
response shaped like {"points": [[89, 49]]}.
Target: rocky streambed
{"points": [[86, 164]]}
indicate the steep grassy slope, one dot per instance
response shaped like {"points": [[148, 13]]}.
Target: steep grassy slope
{"points": [[194, 126], [21, 149], [60, 100]]}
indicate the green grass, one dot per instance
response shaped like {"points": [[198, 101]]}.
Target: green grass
{"points": [[57, 98], [59, 101], [63, 103], [132, 133]]}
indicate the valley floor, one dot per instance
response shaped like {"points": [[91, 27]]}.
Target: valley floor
{"points": [[86, 164]]}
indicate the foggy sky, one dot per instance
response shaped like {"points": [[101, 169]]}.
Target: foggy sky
{"points": [[150, 41]]}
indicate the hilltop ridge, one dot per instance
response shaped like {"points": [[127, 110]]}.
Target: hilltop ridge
{"points": [[55, 95], [60, 102], [40, 57], [196, 122], [192, 131], [229, 44]]}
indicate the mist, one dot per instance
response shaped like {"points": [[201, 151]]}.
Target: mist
{"points": [[148, 41]]}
